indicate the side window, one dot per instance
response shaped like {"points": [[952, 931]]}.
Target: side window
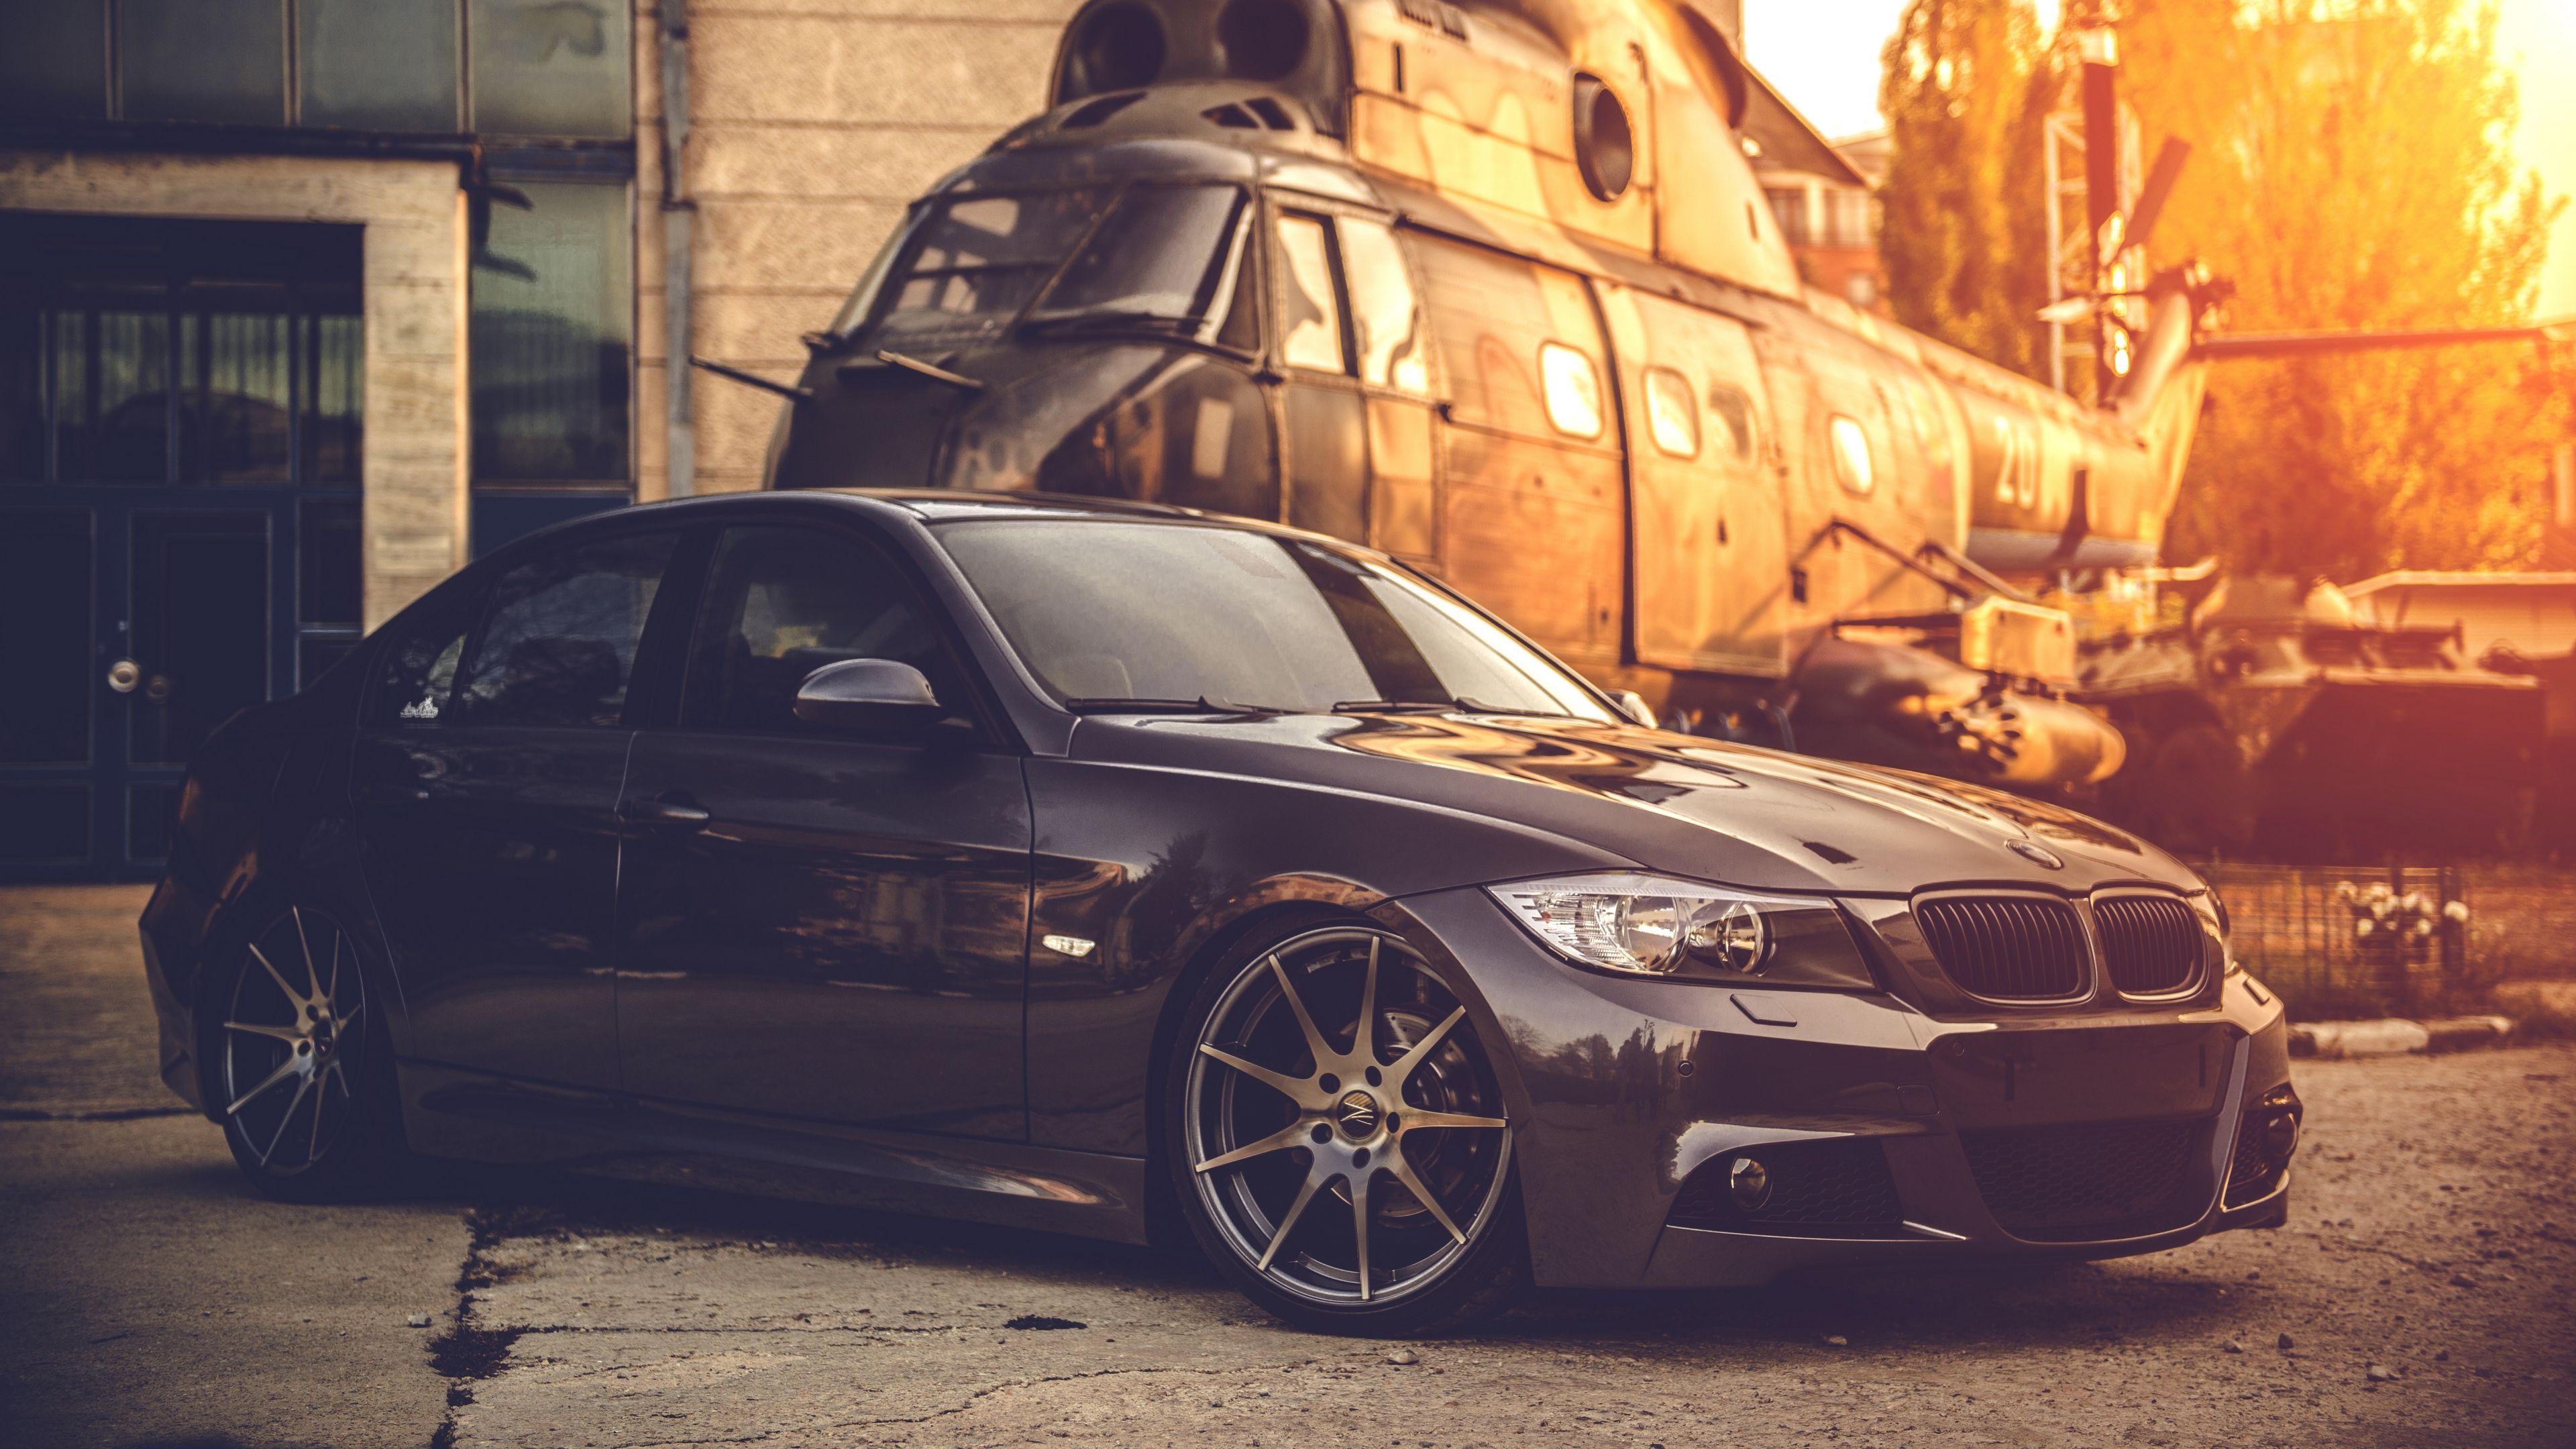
{"points": [[782, 603], [1736, 411], [1573, 390], [1384, 311], [416, 681], [1310, 325], [1852, 465], [558, 638], [1672, 416]]}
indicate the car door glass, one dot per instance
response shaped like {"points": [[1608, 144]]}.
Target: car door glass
{"points": [[417, 679], [1384, 309], [784, 602], [1311, 317], [558, 639]]}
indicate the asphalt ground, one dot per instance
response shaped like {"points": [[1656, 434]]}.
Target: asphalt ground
{"points": [[147, 1297]]}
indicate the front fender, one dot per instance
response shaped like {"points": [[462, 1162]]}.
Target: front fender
{"points": [[1156, 870]]}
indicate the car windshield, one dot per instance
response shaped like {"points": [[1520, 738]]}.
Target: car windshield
{"points": [[1111, 614], [1163, 257]]}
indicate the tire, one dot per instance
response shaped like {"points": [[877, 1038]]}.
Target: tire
{"points": [[300, 1070], [1275, 1113]]}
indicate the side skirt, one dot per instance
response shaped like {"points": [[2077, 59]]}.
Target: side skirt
{"points": [[453, 1113]]}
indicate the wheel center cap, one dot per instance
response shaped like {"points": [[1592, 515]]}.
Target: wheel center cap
{"points": [[1356, 1114]]}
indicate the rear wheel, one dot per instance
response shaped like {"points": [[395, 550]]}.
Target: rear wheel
{"points": [[304, 1084], [1340, 1143]]}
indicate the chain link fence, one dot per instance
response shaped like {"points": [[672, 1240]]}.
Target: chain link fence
{"points": [[2358, 941]]}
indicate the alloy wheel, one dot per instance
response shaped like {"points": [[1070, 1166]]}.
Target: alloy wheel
{"points": [[294, 1038], [1353, 1166]]}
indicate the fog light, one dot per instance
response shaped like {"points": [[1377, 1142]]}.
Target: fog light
{"points": [[2280, 1136], [1748, 1183]]}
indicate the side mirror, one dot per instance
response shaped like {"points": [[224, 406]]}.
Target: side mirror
{"points": [[868, 694], [1634, 706]]}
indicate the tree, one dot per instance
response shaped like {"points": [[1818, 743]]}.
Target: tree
{"points": [[1960, 240], [2350, 169]]}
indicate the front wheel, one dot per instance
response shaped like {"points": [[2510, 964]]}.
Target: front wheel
{"points": [[1340, 1145], [305, 1082]]}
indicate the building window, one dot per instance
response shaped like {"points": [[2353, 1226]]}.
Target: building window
{"points": [[551, 67], [1789, 208], [203, 60], [54, 67], [377, 65], [176, 352], [553, 330]]}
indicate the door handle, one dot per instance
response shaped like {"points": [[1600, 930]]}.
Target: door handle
{"points": [[665, 812], [124, 675]]}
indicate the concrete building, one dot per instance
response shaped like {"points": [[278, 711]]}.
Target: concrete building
{"points": [[310, 301], [1824, 193]]}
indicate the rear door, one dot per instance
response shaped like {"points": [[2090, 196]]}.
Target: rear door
{"points": [[485, 782], [824, 924]]}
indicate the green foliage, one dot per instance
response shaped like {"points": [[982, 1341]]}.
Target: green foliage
{"points": [[1964, 225]]}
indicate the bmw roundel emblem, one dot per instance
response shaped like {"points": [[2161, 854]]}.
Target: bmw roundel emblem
{"points": [[2038, 855]]}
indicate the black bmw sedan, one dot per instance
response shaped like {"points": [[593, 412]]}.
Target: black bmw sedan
{"points": [[1097, 866]]}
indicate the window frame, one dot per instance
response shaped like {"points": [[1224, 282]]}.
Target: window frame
{"points": [[1279, 203]]}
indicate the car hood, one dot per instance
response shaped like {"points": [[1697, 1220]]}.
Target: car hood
{"points": [[1673, 803]]}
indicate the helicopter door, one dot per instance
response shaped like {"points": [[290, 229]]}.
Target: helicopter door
{"points": [[1531, 506], [1710, 524], [1356, 400]]}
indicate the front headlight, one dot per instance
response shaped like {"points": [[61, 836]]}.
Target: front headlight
{"points": [[1648, 925], [2212, 912]]}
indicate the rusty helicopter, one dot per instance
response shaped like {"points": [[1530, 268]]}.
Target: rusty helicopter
{"points": [[1491, 286]]}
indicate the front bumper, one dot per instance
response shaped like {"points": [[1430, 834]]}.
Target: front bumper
{"points": [[1623, 1090]]}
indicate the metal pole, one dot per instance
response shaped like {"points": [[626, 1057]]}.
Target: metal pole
{"points": [[680, 433], [2099, 48]]}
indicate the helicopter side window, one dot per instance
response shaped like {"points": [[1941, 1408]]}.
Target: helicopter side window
{"points": [[1852, 465], [1736, 411], [1672, 415], [1165, 258], [1311, 315], [1384, 311], [973, 262]]}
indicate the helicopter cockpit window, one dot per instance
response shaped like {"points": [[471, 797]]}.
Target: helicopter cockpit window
{"points": [[1165, 258], [971, 263]]}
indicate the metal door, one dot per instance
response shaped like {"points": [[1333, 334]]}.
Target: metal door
{"points": [[179, 431]]}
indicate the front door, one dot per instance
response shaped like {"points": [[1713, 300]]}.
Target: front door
{"points": [[179, 434], [1355, 402], [823, 925]]}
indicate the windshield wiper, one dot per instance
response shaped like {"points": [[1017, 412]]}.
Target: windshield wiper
{"points": [[1460, 705], [1395, 706], [1201, 705], [1109, 320]]}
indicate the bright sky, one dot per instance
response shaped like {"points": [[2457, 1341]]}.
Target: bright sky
{"points": [[1824, 56]]}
